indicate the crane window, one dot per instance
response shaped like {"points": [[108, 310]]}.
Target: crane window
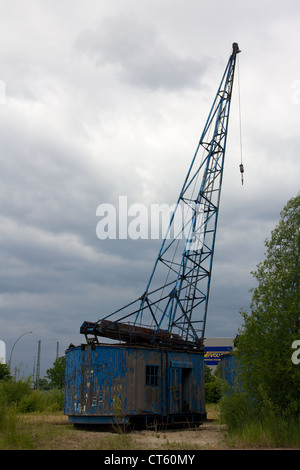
{"points": [[152, 375]]}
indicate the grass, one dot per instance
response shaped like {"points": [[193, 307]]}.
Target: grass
{"points": [[250, 426], [44, 431], [12, 433], [17, 402], [268, 432], [49, 430]]}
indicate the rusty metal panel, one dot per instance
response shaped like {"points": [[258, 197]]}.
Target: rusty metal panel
{"points": [[230, 371], [191, 365], [94, 379], [147, 398], [103, 381]]}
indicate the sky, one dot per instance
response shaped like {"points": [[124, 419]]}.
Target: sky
{"points": [[102, 99]]}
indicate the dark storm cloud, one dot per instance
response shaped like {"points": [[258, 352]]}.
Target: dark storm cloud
{"points": [[110, 99], [140, 55]]}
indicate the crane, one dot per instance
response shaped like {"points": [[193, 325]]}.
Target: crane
{"points": [[172, 310]]}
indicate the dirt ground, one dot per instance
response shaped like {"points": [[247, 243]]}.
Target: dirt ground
{"points": [[206, 436], [63, 436], [53, 432]]}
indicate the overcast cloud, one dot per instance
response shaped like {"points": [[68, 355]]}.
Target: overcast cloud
{"points": [[108, 99]]}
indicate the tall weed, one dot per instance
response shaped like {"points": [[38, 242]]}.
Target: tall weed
{"points": [[20, 394], [38, 400], [12, 436], [256, 426], [12, 392], [267, 432]]}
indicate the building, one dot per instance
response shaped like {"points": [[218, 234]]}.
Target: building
{"points": [[214, 348], [136, 384]]}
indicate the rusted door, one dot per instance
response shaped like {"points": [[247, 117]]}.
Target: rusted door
{"points": [[175, 390]]}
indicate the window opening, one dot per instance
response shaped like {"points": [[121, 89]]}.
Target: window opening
{"points": [[152, 375]]}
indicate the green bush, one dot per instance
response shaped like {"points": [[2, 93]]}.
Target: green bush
{"points": [[235, 410], [38, 400], [213, 391], [264, 343], [29, 403], [250, 423], [213, 386], [26, 400], [11, 435], [52, 400], [12, 392]]}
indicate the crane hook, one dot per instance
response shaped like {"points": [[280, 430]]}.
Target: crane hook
{"points": [[242, 172]]}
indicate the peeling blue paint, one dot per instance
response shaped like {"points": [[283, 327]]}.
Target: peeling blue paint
{"points": [[103, 381]]}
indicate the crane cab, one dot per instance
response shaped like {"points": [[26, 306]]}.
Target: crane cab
{"points": [[139, 385]]}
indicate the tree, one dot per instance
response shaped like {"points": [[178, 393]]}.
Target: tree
{"points": [[213, 391], [269, 330], [4, 372], [56, 375]]}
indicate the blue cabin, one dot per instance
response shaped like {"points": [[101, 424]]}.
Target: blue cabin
{"points": [[142, 385]]}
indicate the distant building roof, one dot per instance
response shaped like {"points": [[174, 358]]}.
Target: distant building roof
{"points": [[214, 348]]}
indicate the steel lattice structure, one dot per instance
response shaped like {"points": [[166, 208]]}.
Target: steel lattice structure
{"points": [[174, 304]]}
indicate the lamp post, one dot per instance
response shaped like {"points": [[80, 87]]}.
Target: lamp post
{"points": [[26, 333]]}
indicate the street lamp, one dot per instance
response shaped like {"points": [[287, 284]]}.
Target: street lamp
{"points": [[26, 333]]}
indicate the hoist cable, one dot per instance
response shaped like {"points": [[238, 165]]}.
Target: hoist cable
{"points": [[240, 122]]}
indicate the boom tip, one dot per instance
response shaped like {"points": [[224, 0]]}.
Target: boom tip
{"points": [[236, 48]]}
